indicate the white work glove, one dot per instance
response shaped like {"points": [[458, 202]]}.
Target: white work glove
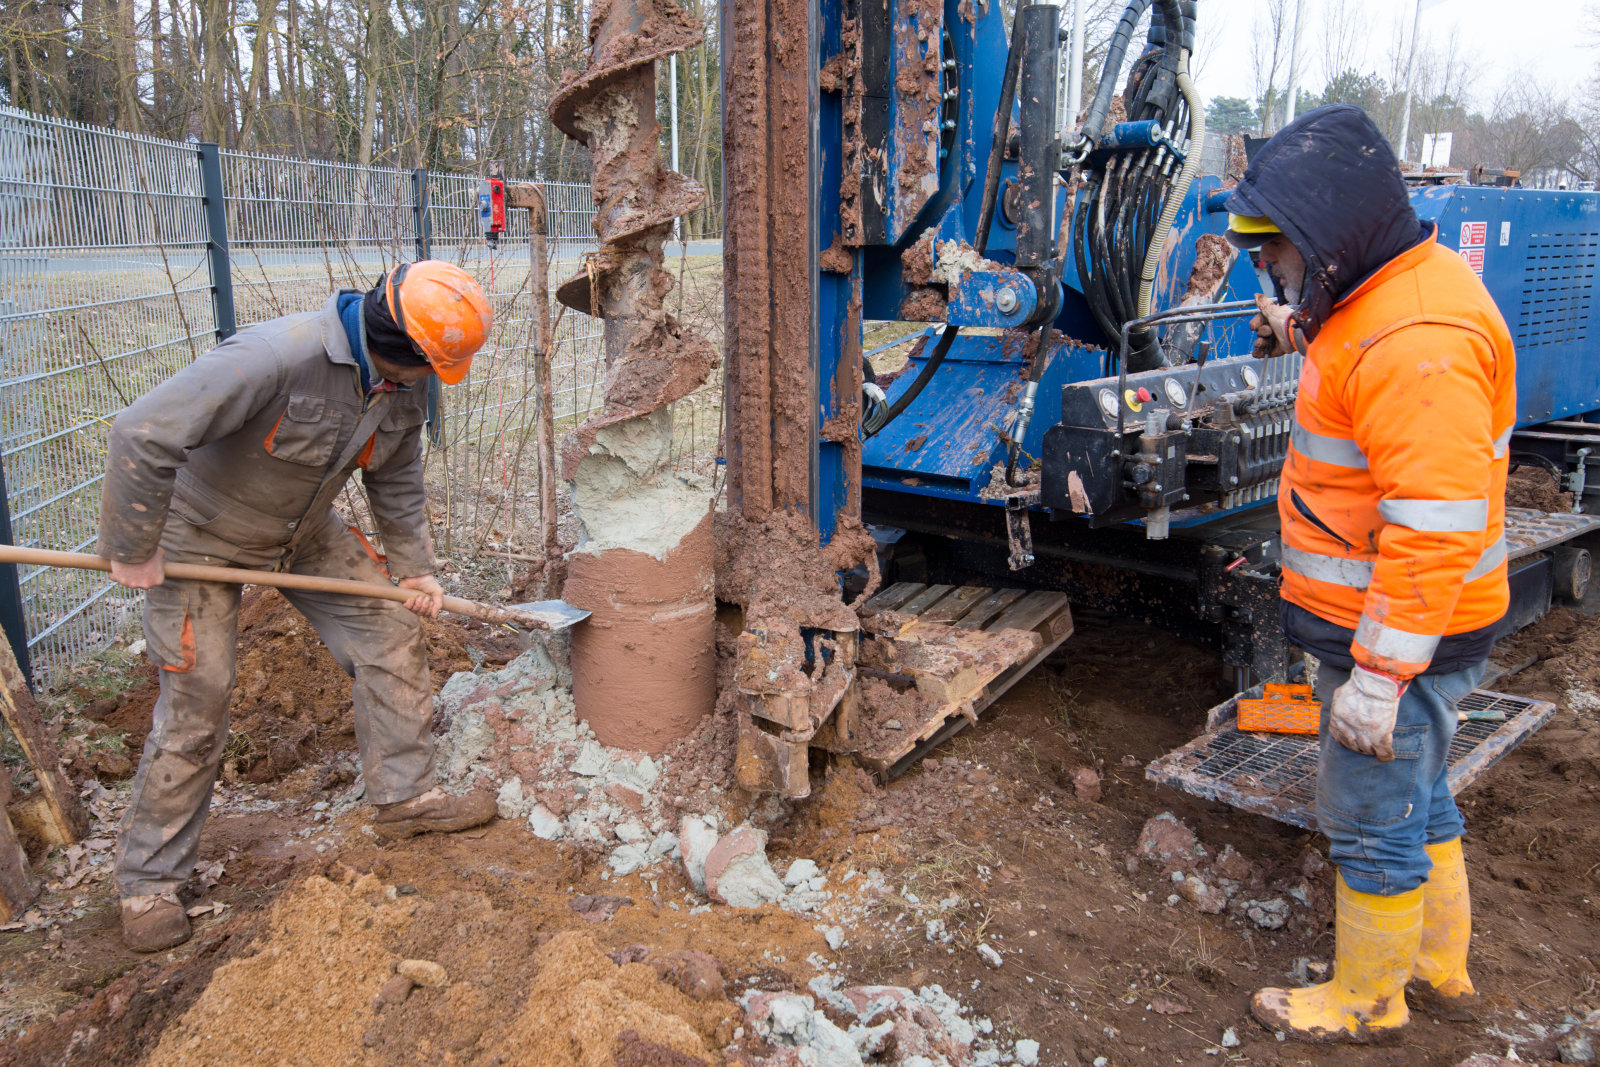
{"points": [[1364, 711]]}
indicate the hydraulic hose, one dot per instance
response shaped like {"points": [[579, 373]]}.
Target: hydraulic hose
{"points": [[1100, 106], [903, 401], [1191, 167]]}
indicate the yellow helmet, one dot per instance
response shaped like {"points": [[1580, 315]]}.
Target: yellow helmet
{"points": [[1250, 231]]}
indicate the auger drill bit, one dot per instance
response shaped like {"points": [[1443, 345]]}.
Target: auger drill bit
{"points": [[644, 666]]}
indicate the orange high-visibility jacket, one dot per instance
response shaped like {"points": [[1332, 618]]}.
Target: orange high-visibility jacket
{"points": [[1393, 496]]}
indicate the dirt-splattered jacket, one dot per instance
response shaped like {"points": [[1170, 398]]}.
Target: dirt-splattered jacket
{"points": [[237, 444]]}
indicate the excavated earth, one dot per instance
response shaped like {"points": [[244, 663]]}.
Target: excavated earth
{"points": [[539, 953]]}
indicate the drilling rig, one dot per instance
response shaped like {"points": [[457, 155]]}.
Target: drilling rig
{"points": [[1085, 420]]}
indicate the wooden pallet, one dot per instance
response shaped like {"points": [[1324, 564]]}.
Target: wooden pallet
{"points": [[910, 612]]}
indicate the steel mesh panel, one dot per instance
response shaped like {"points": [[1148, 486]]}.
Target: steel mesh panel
{"points": [[106, 291], [1276, 774]]}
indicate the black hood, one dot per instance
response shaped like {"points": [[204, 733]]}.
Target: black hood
{"points": [[1330, 182]]}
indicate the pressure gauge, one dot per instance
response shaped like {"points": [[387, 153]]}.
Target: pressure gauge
{"points": [[1251, 378], [1108, 403], [1175, 393]]}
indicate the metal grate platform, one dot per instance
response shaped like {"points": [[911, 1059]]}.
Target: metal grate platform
{"points": [[1276, 774]]}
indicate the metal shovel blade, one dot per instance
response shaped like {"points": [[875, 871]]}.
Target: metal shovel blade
{"points": [[549, 614]]}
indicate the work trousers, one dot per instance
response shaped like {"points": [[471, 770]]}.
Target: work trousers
{"points": [[191, 632], [1379, 815]]}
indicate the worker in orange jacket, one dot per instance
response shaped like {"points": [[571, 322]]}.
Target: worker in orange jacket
{"points": [[1392, 504]]}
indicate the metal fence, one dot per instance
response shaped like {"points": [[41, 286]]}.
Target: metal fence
{"points": [[107, 288]]}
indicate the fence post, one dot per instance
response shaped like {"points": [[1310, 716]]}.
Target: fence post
{"points": [[422, 226], [217, 239], [11, 617]]}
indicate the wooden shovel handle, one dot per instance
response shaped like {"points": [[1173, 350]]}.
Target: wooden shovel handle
{"points": [[197, 572]]}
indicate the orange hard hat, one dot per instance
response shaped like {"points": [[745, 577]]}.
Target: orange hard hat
{"points": [[443, 311]]}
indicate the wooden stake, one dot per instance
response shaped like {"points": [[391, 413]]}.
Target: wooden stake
{"points": [[65, 820], [18, 885]]}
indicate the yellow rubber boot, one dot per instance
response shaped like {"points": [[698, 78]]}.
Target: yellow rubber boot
{"points": [[1376, 948], [1446, 923]]}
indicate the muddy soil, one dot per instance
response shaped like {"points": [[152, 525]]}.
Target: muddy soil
{"points": [[1096, 961], [1533, 486]]}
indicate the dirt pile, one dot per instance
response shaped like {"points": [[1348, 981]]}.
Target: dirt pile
{"points": [[335, 980], [292, 700], [1533, 486]]}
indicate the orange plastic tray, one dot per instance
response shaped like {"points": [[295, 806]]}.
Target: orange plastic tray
{"points": [[1282, 709]]}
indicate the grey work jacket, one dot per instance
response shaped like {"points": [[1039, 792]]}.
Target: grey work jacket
{"points": [[237, 443]]}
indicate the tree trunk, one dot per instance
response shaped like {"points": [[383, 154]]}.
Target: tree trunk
{"points": [[255, 97]]}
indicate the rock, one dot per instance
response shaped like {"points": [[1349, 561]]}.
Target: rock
{"points": [[1232, 866], [545, 824], [627, 796], [696, 838], [592, 760], [631, 832], [696, 973], [1086, 785], [789, 1021], [922, 1028], [1312, 863], [394, 991], [1484, 1059], [625, 859], [470, 737], [1576, 1048], [598, 908], [800, 871], [1267, 914], [833, 935], [990, 956], [936, 932], [1169, 845], [737, 871], [509, 800], [422, 972], [1230, 1039], [641, 776], [1027, 1052], [1205, 897], [663, 845]]}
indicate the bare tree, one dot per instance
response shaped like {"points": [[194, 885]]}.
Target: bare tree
{"points": [[1344, 39], [1269, 55]]}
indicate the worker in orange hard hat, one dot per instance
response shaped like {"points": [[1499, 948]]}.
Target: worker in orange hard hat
{"points": [[236, 460]]}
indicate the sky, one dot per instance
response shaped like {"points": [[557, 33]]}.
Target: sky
{"points": [[1504, 38]]}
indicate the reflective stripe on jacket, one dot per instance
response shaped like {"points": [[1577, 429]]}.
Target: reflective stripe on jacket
{"points": [[1393, 496]]}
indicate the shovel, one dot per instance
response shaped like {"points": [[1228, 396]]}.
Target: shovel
{"points": [[542, 615]]}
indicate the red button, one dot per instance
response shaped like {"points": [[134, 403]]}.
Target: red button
{"points": [[1143, 394]]}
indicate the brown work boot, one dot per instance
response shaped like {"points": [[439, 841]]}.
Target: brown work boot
{"points": [[433, 812], [153, 923]]}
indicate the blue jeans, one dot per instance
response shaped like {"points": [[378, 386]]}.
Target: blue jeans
{"points": [[1379, 815]]}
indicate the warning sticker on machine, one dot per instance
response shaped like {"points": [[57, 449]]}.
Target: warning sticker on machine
{"points": [[1474, 258], [1474, 234]]}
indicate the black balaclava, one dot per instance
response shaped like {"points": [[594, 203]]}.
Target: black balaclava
{"points": [[1330, 182], [384, 337]]}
